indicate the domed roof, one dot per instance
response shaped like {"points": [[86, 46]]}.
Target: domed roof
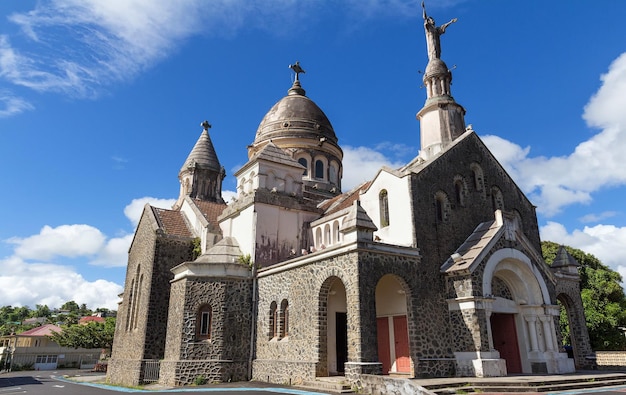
{"points": [[295, 115], [436, 66]]}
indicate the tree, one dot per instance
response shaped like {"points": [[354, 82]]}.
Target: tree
{"points": [[603, 299], [91, 335]]}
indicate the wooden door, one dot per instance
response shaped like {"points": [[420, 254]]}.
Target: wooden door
{"points": [[384, 352], [505, 341], [401, 337]]}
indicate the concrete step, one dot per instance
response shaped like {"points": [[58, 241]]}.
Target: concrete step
{"points": [[532, 386], [336, 385]]}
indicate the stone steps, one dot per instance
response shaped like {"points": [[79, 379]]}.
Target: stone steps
{"points": [[536, 385], [333, 384]]}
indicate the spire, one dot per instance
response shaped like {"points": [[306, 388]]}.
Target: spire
{"points": [[203, 154], [201, 175], [441, 119]]}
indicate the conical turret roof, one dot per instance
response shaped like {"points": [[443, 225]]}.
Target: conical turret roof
{"points": [[203, 154]]}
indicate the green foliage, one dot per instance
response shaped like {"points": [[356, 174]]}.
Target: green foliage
{"points": [[245, 260], [603, 299], [200, 380], [196, 247], [91, 335]]}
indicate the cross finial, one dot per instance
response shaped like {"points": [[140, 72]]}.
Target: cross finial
{"points": [[297, 69], [206, 125]]}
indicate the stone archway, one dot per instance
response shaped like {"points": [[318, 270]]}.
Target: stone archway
{"points": [[392, 325], [332, 327], [521, 307]]}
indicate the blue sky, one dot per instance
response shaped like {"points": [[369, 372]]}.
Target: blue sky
{"points": [[100, 103]]}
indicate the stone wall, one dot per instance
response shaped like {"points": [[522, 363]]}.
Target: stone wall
{"points": [[141, 327], [610, 360], [306, 289], [224, 354]]}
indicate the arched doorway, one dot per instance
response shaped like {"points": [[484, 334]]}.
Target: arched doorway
{"points": [[521, 324], [392, 326], [333, 328]]}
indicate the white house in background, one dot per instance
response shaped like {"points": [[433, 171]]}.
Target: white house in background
{"points": [[33, 348]]}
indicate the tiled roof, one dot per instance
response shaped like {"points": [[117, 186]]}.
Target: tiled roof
{"points": [[172, 222], [344, 200], [44, 330], [211, 211]]}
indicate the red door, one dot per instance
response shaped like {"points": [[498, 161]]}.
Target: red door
{"points": [[505, 341], [401, 336], [384, 355]]}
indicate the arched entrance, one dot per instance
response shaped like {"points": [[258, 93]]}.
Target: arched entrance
{"points": [[391, 324], [521, 323], [333, 328]]}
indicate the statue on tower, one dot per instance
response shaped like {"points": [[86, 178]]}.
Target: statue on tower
{"points": [[433, 34]]}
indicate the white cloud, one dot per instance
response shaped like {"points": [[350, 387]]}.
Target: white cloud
{"points": [[228, 195], [135, 208], [78, 47], [556, 182], [114, 253], [606, 242], [12, 105], [65, 240], [597, 217], [361, 164], [28, 284]]}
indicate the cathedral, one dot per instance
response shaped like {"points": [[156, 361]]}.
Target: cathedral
{"points": [[433, 269]]}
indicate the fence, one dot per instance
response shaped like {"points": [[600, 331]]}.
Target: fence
{"points": [[150, 370]]}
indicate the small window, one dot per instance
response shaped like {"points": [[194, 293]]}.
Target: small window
{"points": [[383, 202], [497, 200], [204, 320], [273, 321], [284, 322], [304, 163], [442, 206], [319, 169]]}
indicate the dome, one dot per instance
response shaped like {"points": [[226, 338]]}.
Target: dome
{"points": [[436, 67], [295, 116]]}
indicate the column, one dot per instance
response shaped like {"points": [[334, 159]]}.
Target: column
{"points": [[547, 331], [532, 331]]}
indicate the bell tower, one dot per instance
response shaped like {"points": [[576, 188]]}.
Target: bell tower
{"points": [[201, 175], [441, 119]]}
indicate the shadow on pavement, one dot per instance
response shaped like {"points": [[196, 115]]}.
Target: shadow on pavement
{"points": [[16, 381]]}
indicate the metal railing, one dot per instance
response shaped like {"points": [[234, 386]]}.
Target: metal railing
{"points": [[150, 370]]}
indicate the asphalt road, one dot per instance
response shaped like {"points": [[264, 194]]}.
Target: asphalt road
{"points": [[51, 383]]}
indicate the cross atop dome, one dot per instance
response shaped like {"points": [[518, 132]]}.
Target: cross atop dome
{"points": [[297, 69]]}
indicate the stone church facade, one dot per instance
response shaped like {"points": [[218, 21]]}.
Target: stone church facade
{"points": [[433, 269]]}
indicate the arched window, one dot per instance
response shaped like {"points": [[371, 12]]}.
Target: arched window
{"points": [[460, 191], [497, 200], [304, 163], [442, 206], [327, 239], [203, 322], [336, 232], [273, 321], [319, 169], [332, 170], [479, 182], [383, 203], [284, 322]]}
